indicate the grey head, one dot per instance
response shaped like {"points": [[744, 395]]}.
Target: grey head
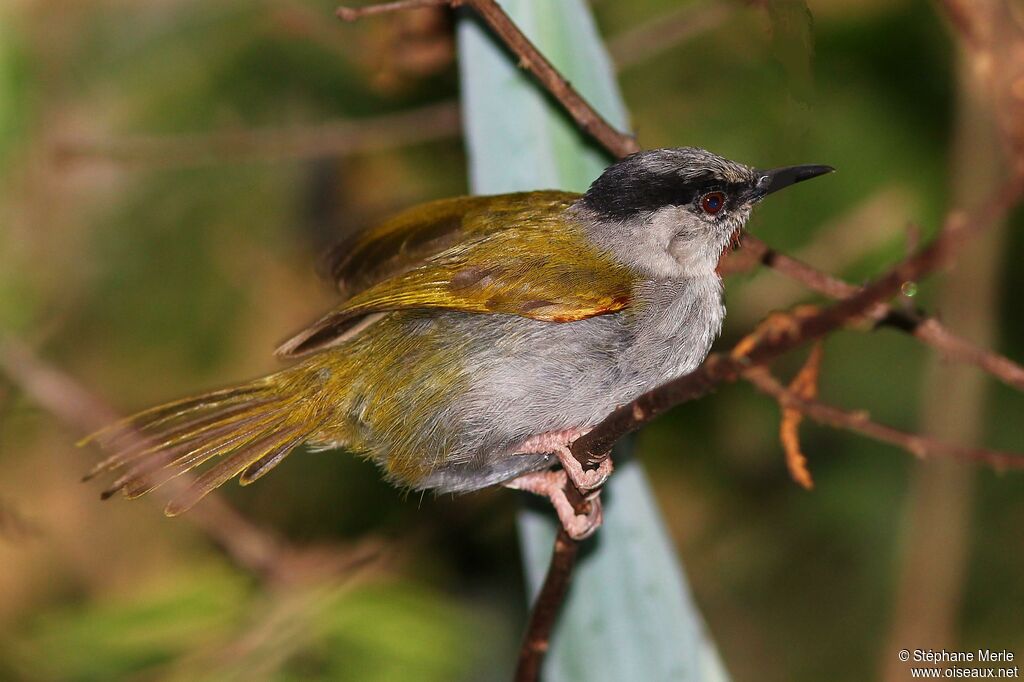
{"points": [[669, 213]]}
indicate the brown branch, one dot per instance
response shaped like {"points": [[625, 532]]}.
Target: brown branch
{"points": [[249, 546], [530, 58], [643, 42], [926, 329], [804, 385], [591, 448], [356, 13], [962, 21], [537, 637], [336, 138], [15, 527], [860, 422]]}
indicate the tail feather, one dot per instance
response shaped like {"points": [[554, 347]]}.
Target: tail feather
{"points": [[234, 465], [161, 414], [253, 427], [163, 465], [258, 468], [144, 442]]}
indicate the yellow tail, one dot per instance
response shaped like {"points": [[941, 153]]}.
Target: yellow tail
{"points": [[250, 427]]}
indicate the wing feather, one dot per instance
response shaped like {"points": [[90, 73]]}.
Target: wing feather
{"points": [[411, 237], [513, 254]]}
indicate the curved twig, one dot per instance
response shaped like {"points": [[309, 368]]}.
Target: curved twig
{"points": [[860, 422], [537, 637]]}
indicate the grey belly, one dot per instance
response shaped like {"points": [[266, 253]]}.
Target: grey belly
{"points": [[530, 377], [527, 377]]}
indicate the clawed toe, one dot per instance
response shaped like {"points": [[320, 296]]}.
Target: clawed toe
{"points": [[585, 480], [551, 484], [593, 479], [582, 526]]}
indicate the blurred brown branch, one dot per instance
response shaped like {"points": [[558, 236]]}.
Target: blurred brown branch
{"points": [[992, 34], [529, 58], [254, 549], [337, 138], [934, 557], [355, 13], [346, 137], [15, 526], [668, 30]]}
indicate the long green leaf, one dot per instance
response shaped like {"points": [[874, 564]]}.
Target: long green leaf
{"points": [[630, 614]]}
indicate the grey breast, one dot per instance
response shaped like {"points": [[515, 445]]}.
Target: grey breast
{"points": [[530, 377]]}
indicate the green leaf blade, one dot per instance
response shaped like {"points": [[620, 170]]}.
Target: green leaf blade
{"points": [[629, 614]]}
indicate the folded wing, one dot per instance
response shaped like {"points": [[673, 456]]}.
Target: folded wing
{"points": [[516, 254]]}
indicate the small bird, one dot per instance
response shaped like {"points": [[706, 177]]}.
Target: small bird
{"points": [[479, 337]]}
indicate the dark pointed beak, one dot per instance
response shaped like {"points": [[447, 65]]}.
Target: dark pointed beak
{"points": [[773, 180]]}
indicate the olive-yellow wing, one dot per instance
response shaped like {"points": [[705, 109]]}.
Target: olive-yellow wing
{"points": [[516, 254]]}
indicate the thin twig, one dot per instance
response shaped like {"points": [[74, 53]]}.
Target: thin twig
{"points": [[336, 138], [962, 21], [804, 385], [591, 448], [537, 637], [356, 13], [636, 45], [530, 58], [860, 422], [249, 546], [926, 329]]}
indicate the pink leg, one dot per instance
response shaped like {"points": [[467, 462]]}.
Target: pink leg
{"points": [[551, 484], [558, 442]]}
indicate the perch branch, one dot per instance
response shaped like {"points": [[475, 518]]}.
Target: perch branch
{"points": [[928, 330], [545, 611], [762, 348]]}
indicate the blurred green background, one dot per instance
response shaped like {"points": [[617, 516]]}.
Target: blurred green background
{"points": [[162, 213]]}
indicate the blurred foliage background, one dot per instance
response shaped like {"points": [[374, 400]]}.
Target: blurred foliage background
{"points": [[171, 172]]}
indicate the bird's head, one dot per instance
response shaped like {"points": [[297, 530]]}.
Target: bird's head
{"points": [[671, 212]]}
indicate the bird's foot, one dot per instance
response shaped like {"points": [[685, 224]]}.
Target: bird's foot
{"points": [[585, 480], [558, 442], [551, 484]]}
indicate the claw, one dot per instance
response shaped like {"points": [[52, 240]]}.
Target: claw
{"points": [[558, 442], [551, 484]]}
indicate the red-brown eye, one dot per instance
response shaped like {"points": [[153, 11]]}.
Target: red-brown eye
{"points": [[712, 202]]}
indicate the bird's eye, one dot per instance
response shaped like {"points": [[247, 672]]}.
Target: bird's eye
{"points": [[712, 202]]}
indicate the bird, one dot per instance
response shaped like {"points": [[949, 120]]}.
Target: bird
{"points": [[477, 338]]}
